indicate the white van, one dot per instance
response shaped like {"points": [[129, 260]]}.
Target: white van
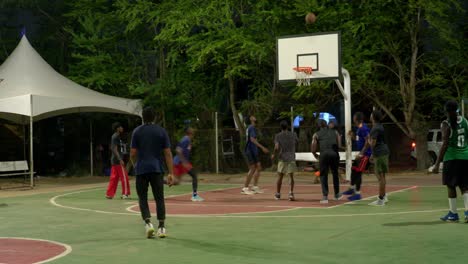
{"points": [[434, 143]]}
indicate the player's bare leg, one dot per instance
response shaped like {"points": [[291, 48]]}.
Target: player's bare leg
{"points": [[291, 187], [452, 215], [279, 182], [248, 179], [464, 191], [256, 177]]}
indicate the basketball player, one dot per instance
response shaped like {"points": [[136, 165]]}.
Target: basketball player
{"points": [[454, 152], [329, 142], [251, 151], [149, 141], [118, 170], [380, 154], [182, 164], [362, 159], [285, 144]]}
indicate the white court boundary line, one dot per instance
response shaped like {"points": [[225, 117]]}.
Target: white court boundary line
{"points": [[252, 215], [68, 248], [373, 197]]}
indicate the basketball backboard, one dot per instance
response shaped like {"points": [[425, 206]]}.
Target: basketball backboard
{"points": [[321, 51]]}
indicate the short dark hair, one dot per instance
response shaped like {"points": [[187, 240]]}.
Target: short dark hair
{"points": [[284, 125], [115, 126], [359, 116], [377, 115], [322, 123], [451, 106], [187, 129], [148, 114]]}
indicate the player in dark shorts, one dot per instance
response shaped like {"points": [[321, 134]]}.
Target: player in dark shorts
{"points": [[329, 142], [362, 160], [380, 154], [182, 164], [251, 152], [285, 144], [149, 141], [118, 170], [454, 152]]}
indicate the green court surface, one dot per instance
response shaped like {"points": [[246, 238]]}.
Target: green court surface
{"points": [[407, 230]]}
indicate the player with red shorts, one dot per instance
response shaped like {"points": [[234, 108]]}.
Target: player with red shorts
{"points": [[182, 164]]}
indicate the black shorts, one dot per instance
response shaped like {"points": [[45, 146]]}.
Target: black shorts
{"points": [[252, 157], [455, 173]]}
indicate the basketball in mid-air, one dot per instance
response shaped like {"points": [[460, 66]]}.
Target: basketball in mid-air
{"points": [[310, 18]]}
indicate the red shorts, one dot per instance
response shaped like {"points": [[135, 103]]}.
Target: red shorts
{"points": [[362, 166], [180, 169]]}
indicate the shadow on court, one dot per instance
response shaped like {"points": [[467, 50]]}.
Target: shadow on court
{"points": [[429, 223]]}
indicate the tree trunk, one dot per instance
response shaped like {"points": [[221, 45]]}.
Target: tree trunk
{"points": [[422, 155], [240, 124], [232, 100]]}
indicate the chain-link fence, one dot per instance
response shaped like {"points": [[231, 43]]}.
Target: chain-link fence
{"points": [[232, 159]]}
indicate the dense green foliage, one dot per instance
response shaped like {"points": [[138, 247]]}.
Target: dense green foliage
{"points": [[190, 58]]}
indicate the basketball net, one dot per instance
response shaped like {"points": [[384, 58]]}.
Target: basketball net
{"points": [[303, 75]]}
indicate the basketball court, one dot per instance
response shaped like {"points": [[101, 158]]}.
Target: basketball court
{"points": [[229, 227]]}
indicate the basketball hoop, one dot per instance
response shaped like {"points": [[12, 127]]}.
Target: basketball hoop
{"points": [[303, 75]]}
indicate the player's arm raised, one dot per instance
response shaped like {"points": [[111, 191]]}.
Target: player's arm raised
{"points": [[445, 139]]}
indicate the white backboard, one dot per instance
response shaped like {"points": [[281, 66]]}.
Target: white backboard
{"points": [[321, 51]]}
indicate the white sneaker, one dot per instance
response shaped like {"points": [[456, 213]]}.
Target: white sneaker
{"points": [[378, 202], [161, 232], [247, 191], [338, 197], [257, 189], [125, 197], [149, 230], [197, 198], [385, 198], [324, 200]]}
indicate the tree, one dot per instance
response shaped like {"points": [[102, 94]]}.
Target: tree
{"points": [[394, 61]]}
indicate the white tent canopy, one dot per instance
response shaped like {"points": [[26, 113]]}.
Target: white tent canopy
{"points": [[31, 90]]}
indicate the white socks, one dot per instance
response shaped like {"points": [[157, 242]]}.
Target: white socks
{"points": [[465, 200], [453, 204]]}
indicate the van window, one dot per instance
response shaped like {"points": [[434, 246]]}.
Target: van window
{"points": [[439, 136], [430, 136]]}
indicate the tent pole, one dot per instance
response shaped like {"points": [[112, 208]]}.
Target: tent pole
{"points": [[91, 146], [31, 147]]}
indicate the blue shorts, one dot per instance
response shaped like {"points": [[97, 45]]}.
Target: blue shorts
{"points": [[252, 157]]}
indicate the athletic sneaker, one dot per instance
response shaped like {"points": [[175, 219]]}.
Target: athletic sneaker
{"points": [[108, 197], [291, 197], [324, 200], [197, 198], [451, 217], [378, 202], [161, 232], [247, 191], [149, 229], [338, 197], [350, 191], [125, 197], [257, 189], [277, 196], [466, 217], [355, 197]]}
